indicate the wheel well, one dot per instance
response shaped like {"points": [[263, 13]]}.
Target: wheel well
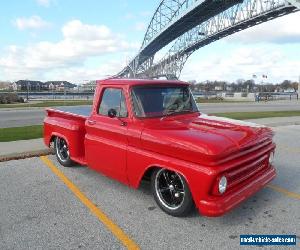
{"points": [[51, 143], [148, 173]]}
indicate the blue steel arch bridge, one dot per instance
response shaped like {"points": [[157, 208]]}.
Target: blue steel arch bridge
{"points": [[188, 25]]}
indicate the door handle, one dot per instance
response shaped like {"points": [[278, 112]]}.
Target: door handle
{"points": [[91, 122], [123, 124]]}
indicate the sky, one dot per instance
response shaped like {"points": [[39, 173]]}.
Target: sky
{"points": [[79, 40]]}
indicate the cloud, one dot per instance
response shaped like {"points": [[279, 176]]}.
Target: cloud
{"points": [[243, 63], [146, 13], [81, 73], [143, 15], [80, 42], [281, 30], [129, 16], [76, 30], [44, 3], [140, 26], [33, 22]]}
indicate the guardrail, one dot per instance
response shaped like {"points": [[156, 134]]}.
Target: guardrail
{"points": [[57, 95]]}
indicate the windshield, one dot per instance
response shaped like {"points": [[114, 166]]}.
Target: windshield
{"points": [[158, 101]]}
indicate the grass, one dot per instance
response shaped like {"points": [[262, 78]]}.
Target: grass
{"points": [[47, 104], [21, 133], [258, 115], [202, 100]]}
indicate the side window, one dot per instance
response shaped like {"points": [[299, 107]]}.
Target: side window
{"points": [[113, 99]]}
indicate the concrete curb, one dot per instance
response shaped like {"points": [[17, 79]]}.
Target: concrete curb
{"points": [[25, 155]]}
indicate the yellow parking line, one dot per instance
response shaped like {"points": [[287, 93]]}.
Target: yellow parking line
{"points": [[115, 229], [284, 191]]}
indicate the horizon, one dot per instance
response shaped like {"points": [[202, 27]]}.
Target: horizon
{"points": [[192, 82]]}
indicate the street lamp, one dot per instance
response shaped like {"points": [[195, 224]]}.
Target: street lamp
{"points": [[298, 89], [27, 95]]}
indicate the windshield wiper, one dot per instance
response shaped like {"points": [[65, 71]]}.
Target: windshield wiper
{"points": [[177, 112]]}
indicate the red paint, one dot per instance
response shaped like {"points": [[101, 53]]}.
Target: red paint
{"points": [[201, 150]]}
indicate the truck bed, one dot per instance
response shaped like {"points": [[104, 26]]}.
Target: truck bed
{"points": [[76, 110], [68, 123]]}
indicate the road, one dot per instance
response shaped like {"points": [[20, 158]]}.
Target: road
{"points": [[35, 116], [18, 118], [210, 108], [23, 117], [40, 211]]}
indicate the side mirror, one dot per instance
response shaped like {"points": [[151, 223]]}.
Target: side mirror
{"points": [[112, 113]]}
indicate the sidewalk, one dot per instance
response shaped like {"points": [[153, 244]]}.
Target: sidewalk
{"points": [[22, 149], [36, 147]]}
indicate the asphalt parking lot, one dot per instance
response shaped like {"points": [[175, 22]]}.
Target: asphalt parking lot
{"points": [[40, 211]]}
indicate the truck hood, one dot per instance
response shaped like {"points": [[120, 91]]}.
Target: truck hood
{"points": [[201, 139]]}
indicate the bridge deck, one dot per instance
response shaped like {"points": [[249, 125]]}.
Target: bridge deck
{"points": [[184, 22]]}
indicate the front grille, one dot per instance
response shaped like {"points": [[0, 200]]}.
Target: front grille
{"points": [[246, 171], [249, 150], [248, 164]]}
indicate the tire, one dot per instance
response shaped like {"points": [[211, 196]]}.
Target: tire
{"points": [[62, 152], [171, 192]]}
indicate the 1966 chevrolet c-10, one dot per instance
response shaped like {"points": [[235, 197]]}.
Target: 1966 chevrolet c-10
{"points": [[152, 129]]}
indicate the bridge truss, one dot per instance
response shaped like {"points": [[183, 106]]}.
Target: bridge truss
{"points": [[234, 19], [171, 19]]}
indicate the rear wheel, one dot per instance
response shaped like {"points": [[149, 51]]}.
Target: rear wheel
{"points": [[171, 192], [62, 152]]}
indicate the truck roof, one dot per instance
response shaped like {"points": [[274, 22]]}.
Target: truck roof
{"points": [[132, 82]]}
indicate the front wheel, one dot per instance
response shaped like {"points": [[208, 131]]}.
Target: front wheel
{"points": [[171, 192], [62, 152]]}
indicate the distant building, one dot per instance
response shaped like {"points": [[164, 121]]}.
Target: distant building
{"points": [[25, 85], [289, 90], [219, 88], [60, 85], [278, 90], [14, 86], [229, 88], [51, 86], [89, 86], [4, 85]]}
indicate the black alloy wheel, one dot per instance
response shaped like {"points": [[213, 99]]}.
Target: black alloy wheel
{"points": [[62, 152], [171, 192]]}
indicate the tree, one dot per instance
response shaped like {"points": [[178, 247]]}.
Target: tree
{"points": [[295, 86], [193, 82], [286, 84], [249, 85]]}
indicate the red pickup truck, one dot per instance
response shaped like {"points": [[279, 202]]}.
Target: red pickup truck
{"points": [[152, 130]]}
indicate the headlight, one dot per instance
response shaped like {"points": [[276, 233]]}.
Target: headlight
{"points": [[222, 185], [271, 157]]}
